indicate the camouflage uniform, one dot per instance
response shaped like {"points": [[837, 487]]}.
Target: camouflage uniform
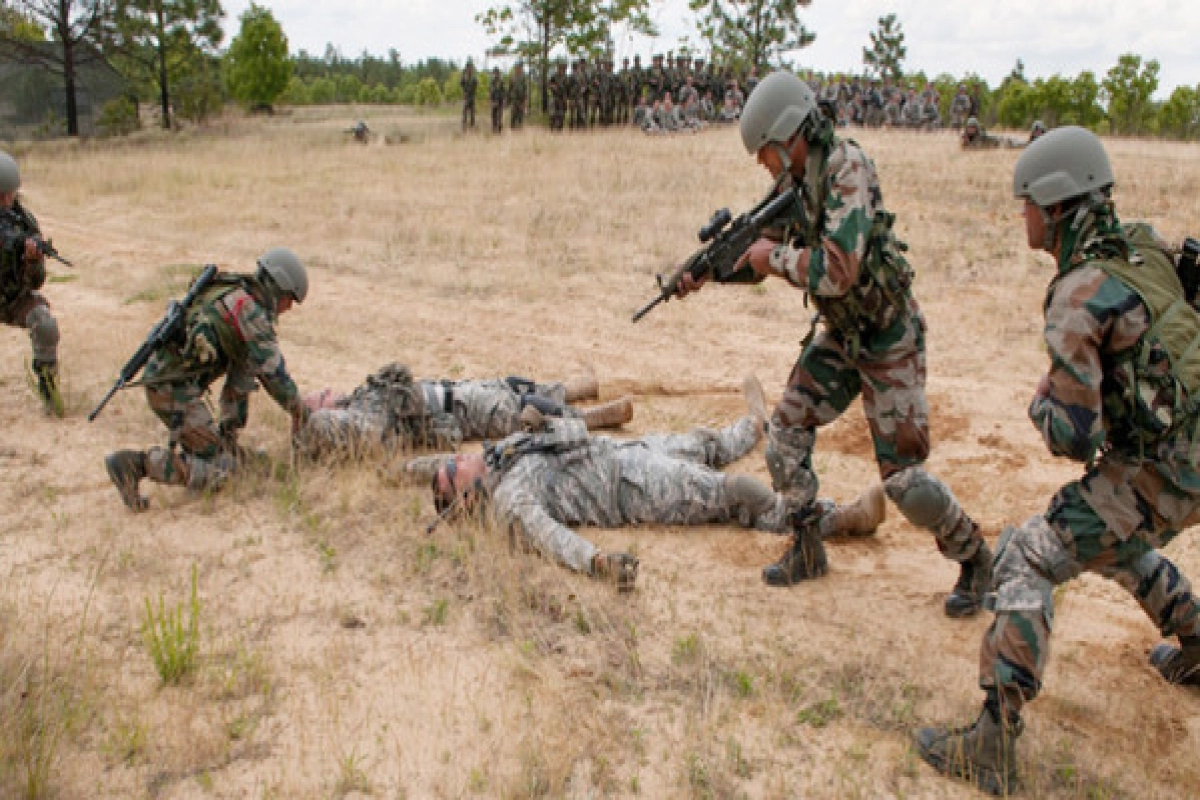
{"points": [[1113, 404], [873, 344], [558, 90], [230, 332], [543, 483], [496, 95], [518, 97], [393, 410], [469, 83], [21, 304]]}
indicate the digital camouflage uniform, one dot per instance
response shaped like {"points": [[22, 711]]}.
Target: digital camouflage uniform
{"points": [[469, 83], [393, 410], [230, 332], [518, 97], [1113, 404], [541, 484], [21, 304], [496, 95], [558, 90], [872, 343]]}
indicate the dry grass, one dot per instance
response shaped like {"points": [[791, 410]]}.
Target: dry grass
{"points": [[344, 653]]}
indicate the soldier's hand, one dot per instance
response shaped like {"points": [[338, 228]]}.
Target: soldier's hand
{"points": [[32, 252], [758, 256], [688, 284]]}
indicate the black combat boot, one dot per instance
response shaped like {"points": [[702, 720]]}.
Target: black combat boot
{"points": [[48, 390], [805, 559], [974, 580], [126, 468], [983, 753], [1178, 664]]}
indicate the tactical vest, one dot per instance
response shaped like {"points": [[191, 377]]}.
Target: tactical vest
{"points": [[393, 389], [1174, 330], [16, 224], [881, 295], [209, 342]]}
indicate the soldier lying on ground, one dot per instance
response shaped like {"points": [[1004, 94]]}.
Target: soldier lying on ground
{"points": [[391, 409], [975, 137], [540, 482]]}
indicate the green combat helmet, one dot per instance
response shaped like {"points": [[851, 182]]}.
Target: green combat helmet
{"points": [[10, 176], [1064, 163], [779, 107], [284, 268]]}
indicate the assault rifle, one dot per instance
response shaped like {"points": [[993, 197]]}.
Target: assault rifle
{"points": [[166, 331], [46, 248], [725, 241]]}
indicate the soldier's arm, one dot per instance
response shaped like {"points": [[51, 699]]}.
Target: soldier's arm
{"points": [[264, 359], [1067, 408], [547, 535]]}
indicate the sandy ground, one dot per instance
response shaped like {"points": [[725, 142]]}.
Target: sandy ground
{"points": [[344, 653]]}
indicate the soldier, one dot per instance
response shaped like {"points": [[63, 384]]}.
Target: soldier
{"points": [[577, 95], [656, 81], [558, 89], [846, 257], [1036, 131], [518, 96], [361, 133], [469, 83], [1119, 397], [22, 273], [624, 93], [542, 482], [392, 410], [974, 137], [230, 331], [960, 107], [637, 79], [496, 98]]}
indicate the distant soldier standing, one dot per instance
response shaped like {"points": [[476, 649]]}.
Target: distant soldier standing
{"points": [[558, 88], [843, 254], [469, 83], [518, 96], [230, 331], [496, 98], [22, 273]]}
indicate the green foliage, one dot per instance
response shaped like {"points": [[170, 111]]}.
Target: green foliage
{"points": [[752, 32], [19, 27], [886, 54], [1179, 117], [118, 117], [173, 641], [1129, 86], [257, 68], [198, 90], [428, 93]]}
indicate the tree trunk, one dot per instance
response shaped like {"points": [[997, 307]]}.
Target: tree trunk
{"points": [[69, 83], [164, 94], [544, 80]]}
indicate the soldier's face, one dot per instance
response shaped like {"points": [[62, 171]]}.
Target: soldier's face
{"points": [[459, 478], [8, 199], [770, 156], [1035, 226], [285, 304]]}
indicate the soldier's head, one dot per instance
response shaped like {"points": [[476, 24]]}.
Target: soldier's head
{"points": [[560, 66], [971, 126], [10, 180], [1061, 177], [637, 60], [459, 484], [780, 121], [470, 67], [285, 276], [518, 68], [1037, 130]]}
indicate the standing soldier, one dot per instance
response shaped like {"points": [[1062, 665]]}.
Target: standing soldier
{"points": [[518, 96], [624, 95], [637, 77], [656, 81], [496, 98], [469, 83], [230, 331], [1120, 398], [843, 253], [559, 90], [22, 273], [960, 107], [577, 95]]}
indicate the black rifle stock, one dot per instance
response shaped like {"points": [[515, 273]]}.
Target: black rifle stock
{"points": [[167, 328], [725, 244]]}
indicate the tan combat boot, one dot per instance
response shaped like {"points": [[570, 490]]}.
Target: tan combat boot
{"points": [[583, 387], [984, 753], [608, 415], [756, 402], [864, 515]]}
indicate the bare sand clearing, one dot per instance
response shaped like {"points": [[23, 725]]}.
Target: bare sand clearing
{"points": [[343, 653]]}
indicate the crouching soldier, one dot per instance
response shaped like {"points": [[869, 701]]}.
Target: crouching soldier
{"points": [[230, 331]]}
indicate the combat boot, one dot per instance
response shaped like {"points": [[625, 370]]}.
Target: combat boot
{"points": [[620, 569], [126, 468], [756, 401], [974, 580], [608, 415], [48, 389], [864, 515], [805, 559], [1179, 665], [584, 387], [984, 753]]}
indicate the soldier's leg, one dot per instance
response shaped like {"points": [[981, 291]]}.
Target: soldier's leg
{"points": [[33, 314], [712, 447], [195, 456]]}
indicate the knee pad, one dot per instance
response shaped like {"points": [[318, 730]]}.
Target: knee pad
{"points": [[1029, 562], [749, 493], [209, 474], [922, 499], [43, 332]]}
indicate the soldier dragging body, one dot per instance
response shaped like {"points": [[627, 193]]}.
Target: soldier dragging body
{"points": [[229, 330], [22, 273], [391, 410], [542, 482], [842, 252]]}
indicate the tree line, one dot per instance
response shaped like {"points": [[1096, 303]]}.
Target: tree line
{"points": [[170, 54]]}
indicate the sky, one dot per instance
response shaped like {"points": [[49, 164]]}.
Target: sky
{"points": [[1051, 37]]}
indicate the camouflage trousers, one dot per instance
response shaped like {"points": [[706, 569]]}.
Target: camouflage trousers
{"points": [[197, 456], [888, 371], [32, 312], [1110, 522]]}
